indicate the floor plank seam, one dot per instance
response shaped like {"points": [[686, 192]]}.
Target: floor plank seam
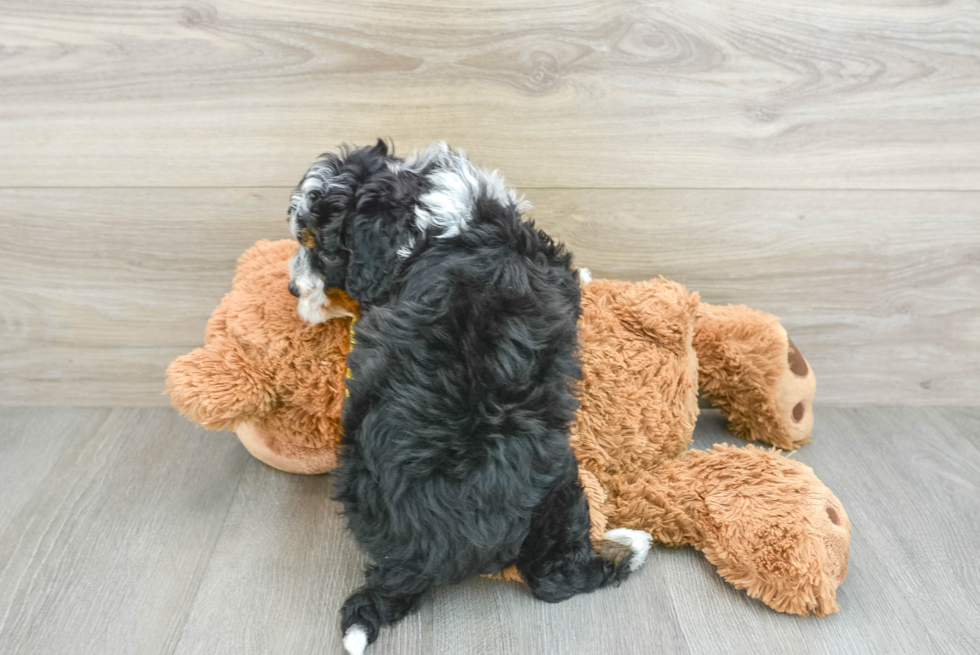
{"points": [[201, 573], [32, 570]]}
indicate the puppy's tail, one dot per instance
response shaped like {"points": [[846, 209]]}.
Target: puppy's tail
{"points": [[386, 598]]}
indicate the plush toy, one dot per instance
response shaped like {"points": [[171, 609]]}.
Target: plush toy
{"points": [[766, 521]]}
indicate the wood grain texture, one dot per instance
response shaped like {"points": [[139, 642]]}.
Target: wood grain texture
{"points": [[107, 553], [879, 290], [909, 479], [558, 93], [913, 478], [31, 443], [101, 288], [280, 572], [148, 535]]}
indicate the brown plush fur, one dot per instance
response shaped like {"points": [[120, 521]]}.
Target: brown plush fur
{"points": [[275, 380], [768, 524], [743, 363]]}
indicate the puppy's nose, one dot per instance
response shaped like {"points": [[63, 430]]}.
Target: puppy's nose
{"points": [[293, 290]]}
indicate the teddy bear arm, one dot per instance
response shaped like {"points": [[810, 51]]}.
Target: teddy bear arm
{"points": [[218, 387], [752, 371]]}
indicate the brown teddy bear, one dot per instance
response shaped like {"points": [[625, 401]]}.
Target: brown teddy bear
{"points": [[766, 521]]}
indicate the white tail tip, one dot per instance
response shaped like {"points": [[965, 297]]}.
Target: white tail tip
{"points": [[355, 640]]}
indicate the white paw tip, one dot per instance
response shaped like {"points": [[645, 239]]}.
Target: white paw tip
{"points": [[584, 275], [355, 640], [638, 541]]}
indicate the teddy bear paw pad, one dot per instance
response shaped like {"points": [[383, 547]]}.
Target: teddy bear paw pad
{"points": [[794, 396]]}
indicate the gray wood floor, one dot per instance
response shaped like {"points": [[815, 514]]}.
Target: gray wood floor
{"points": [[132, 531]]}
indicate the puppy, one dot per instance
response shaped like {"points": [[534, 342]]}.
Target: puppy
{"points": [[456, 458]]}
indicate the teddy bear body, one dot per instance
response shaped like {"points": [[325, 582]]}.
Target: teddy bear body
{"points": [[766, 521]]}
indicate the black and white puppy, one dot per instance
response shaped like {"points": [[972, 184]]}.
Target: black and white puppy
{"points": [[456, 458]]}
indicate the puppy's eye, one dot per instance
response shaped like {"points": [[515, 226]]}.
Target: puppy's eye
{"points": [[307, 237]]}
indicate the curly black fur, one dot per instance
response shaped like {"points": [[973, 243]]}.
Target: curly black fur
{"points": [[456, 458]]}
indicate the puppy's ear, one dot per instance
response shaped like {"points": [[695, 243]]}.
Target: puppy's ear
{"points": [[378, 231], [374, 244], [348, 212]]}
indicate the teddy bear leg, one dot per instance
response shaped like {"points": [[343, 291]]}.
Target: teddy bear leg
{"points": [[752, 371], [766, 521]]}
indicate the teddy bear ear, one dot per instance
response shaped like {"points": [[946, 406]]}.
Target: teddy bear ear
{"points": [[218, 386]]}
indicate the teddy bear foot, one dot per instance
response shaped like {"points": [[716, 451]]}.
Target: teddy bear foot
{"points": [[764, 520], [793, 535], [638, 542], [753, 372], [793, 397]]}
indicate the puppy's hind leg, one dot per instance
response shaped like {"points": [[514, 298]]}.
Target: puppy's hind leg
{"points": [[557, 559], [387, 597]]}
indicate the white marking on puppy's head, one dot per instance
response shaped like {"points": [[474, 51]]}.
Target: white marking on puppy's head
{"points": [[320, 178], [454, 186], [314, 304], [313, 301], [406, 250]]}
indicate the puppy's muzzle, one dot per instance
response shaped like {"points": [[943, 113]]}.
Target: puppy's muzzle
{"points": [[293, 289]]}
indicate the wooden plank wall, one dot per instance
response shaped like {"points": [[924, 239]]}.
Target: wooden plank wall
{"points": [[818, 160]]}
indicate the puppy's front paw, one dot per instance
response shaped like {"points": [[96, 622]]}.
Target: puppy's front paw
{"points": [[355, 640], [637, 540]]}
